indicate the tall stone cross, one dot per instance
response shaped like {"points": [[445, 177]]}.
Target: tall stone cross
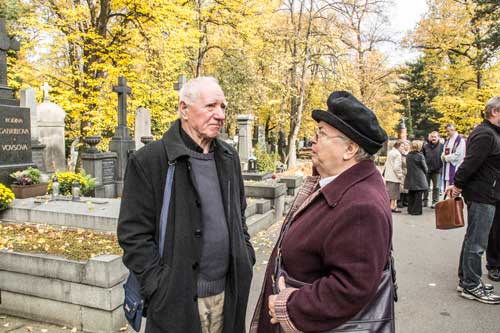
{"points": [[6, 44], [46, 88], [122, 90], [181, 81]]}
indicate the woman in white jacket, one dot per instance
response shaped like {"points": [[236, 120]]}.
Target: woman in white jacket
{"points": [[393, 174]]}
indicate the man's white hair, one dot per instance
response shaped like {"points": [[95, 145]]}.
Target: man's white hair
{"points": [[493, 103], [190, 92]]}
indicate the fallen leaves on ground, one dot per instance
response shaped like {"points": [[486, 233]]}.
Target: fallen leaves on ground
{"points": [[78, 244]]}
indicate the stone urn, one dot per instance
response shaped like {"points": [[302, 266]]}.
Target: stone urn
{"points": [[92, 141]]}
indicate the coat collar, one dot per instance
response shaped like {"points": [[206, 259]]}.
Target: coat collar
{"points": [[334, 191], [176, 148]]}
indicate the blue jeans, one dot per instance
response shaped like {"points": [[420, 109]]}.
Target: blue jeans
{"points": [[479, 220]]}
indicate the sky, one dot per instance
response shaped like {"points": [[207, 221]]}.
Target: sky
{"points": [[403, 17]]}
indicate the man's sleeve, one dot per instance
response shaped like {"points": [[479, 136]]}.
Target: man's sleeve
{"points": [[478, 150], [137, 228]]}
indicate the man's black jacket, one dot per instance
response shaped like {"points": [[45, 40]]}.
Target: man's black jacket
{"points": [[169, 284], [432, 153], [479, 174]]}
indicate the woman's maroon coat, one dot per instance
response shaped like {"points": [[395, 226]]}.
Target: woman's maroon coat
{"points": [[340, 243]]}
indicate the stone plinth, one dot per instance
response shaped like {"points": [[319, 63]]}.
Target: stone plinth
{"points": [[97, 216], [51, 134], [87, 295], [103, 167], [292, 183], [275, 192], [256, 176]]}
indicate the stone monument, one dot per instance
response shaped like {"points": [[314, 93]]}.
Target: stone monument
{"points": [[28, 100], [15, 127], [142, 126], [51, 130], [121, 143], [244, 139]]}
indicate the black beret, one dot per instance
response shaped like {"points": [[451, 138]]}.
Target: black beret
{"points": [[354, 119]]}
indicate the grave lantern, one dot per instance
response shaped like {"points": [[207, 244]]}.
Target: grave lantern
{"points": [[75, 191], [252, 164]]}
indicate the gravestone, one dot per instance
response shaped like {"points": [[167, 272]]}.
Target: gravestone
{"points": [[121, 143], [28, 100], [51, 130], [259, 136], [244, 139], [15, 127], [6, 44], [142, 126]]}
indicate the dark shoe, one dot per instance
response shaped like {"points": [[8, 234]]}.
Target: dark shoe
{"points": [[424, 203], [488, 287], [395, 210], [480, 294], [494, 274], [433, 206]]}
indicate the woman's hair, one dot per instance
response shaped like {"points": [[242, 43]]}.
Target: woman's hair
{"points": [[416, 145], [398, 143]]}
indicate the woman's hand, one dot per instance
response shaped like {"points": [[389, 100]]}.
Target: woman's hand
{"points": [[272, 301]]}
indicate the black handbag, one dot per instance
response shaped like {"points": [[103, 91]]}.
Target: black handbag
{"points": [[376, 316], [134, 305]]}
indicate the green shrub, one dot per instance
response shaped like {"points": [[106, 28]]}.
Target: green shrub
{"points": [[266, 162], [28, 176]]}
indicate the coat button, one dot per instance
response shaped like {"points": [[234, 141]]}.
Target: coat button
{"points": [[195, 298], [197, 233], [198, 203], [195, 266]]}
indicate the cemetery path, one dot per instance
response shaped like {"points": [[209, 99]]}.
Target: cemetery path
{"points": [[426, 262]]}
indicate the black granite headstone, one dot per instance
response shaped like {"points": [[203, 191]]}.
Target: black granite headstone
{"points": [[15, 140]]}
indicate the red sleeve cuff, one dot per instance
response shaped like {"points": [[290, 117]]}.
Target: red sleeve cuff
{"points": [[282, 312]]}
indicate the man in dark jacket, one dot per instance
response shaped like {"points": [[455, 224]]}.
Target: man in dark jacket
{"points": [[432, 151], [478, 179], [202, 282]]}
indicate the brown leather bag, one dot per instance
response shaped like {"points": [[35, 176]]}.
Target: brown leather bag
{"points": [[450, 213]]}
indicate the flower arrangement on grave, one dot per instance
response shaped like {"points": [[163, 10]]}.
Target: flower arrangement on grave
{"points": [[66, 180], [6, 197], [27, 183], [30, 176]]}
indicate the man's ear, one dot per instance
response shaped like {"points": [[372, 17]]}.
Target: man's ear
{"points": [[184, 109]]}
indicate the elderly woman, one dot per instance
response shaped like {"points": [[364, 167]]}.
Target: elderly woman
{"points": [[393, 174], [330, 269], [416, 177]]}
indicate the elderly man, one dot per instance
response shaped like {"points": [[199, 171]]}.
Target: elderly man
{"points": [[202, 282], [452, 155], [432, 151], [478, 179], [330, 267]]}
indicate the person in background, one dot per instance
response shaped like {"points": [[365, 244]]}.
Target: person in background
{"points": [[393, 174], [493, 250], [478, 180], [453, 154], [432, 151], [416, 177], [405, 149]]}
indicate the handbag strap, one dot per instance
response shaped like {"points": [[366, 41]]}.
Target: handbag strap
{"points": [[166, 205]]}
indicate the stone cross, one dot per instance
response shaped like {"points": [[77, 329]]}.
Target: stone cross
{"points": [[46, 88], [6, 44], [122, 90], [181, 81]]}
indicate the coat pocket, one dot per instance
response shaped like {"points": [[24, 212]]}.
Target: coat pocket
{"points": [[157, 300]]}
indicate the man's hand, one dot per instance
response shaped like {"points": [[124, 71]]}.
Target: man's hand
{"points": [[453, 191], [272, 301]]}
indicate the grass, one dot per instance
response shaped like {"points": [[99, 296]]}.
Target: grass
{"points": [[74, 244]]}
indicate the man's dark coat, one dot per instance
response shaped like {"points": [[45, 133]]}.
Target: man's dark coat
{"points": [[169, 284], [479, 174]]}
